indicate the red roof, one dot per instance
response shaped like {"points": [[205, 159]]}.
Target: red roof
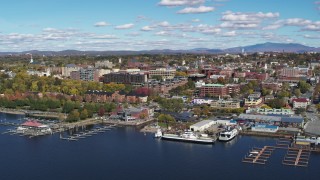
{"points": [[300, 100], [32, 123]]}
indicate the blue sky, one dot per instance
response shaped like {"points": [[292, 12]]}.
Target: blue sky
{"points": [[155, 24]]}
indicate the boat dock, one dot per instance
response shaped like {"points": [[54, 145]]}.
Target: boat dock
{"points": [[284, 143], [258, 155], [87, 133], [297, 157]]}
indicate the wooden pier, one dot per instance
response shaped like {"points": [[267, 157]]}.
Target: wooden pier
{"points": [[87, 133], [297, 157], [284, 143], [258, 155]]}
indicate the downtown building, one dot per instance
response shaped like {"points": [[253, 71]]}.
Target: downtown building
{"points": [[216, 90], [138, 78], [85, 74]]}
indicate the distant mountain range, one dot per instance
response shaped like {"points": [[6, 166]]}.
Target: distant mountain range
{"points": [[265, 47]]}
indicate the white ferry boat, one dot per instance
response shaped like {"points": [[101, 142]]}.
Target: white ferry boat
{"points": [[188, 136], [228, 134], [158, 134]]}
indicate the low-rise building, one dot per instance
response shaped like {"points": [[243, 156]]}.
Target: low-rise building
{"points": [[163, 72], [225, 104], [201, 101], [221, 90], [270, 111], [300, 103], [202, 125], [265, 128], [253, 102]]}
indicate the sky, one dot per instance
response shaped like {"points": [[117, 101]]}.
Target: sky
{"points": [[106, 25]]}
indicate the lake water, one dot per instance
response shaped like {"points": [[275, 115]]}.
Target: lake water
{"points": [[125, 153]]}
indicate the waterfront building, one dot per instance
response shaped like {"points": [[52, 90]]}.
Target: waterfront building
{"points": [[279, 120], [264, 128], [202, 125], [267, 111]]}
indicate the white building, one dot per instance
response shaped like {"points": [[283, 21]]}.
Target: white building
{"points": [[68, 69], [300, 103], [202, 101], [270, 111], [103, 64], [202, 125], [217, 76], [163, 72], [265, 128], [199, 84], [101, 72]]}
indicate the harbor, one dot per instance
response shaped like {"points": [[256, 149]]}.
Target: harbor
{"points": [[125, 146]]}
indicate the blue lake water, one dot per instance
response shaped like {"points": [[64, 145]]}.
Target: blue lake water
{"points": [[125, 153]]}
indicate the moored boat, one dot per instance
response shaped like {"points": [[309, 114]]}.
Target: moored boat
{"points": [[188, 136], [228, 134]]}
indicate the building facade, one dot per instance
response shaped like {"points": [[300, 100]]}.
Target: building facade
{"points": [[225, 104], [217, 90], [163, 72], [125, 78]]}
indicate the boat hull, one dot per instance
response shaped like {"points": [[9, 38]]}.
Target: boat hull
{"points": [[198, 141], [232, 136]]}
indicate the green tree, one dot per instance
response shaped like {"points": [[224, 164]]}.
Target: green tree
{"points": [[166, 118], [304, 86], [276, 103], [297, 92], [73, 116], [84, 114]]}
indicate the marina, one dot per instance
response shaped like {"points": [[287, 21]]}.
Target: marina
{"points": [[87, 133], [258, 155], [126, 147]]}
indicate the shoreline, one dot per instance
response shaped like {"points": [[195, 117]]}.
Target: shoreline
{"points": [[12, 111]]}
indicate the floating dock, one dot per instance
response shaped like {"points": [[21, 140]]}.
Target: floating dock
{"points": [[297, 157], [258, 155], [87, 133]]}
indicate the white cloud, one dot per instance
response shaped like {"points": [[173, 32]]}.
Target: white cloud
{"points": [[195, 20], [247, 17], [314, 26], [298, 22], [163, 24], [147, 28], [196, 10], [180, 2], [307, 36], [229, 34], [104, 36], [241, 20], [101, 24], [125, 26], [163, 33], [133, 34]]}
